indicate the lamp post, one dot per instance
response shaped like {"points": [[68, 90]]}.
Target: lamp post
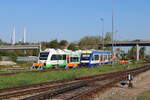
{"points": [[102, 20], [112, 38]]}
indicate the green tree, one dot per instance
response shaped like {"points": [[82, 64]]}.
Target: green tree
{"points": [[1, 42], [72, 46], [132, 53], [107, 37], [53, 44], [142, 52], [63, 44], [90, 42]]}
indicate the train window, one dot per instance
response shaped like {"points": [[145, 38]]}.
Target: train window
{"points": [[85, 56], [105, 57], [95, 57], [43, 55], [54, 57], [57, 57], [109, 57], [60, 57]]}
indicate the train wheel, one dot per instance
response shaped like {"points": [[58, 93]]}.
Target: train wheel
{"points": [[74, 67], [40, 68], [66, 67], [33, 67]]}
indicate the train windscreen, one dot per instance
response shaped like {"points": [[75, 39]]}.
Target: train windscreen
{"points": [[74, 59], [85, 57], [43, 55]]}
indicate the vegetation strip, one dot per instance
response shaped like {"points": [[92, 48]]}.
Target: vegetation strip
{"points": [[49, 94], [41, 89], [33, 78], [144, 96]]}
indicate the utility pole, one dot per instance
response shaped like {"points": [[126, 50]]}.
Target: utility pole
{"points": [[102, 32]]}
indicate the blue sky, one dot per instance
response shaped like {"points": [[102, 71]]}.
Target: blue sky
{"points": [[73, 19]]}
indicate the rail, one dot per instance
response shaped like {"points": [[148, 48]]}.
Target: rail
{"points": [[102, 82]]}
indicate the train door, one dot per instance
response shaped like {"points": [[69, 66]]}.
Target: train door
{"points": [[64, 60], [100, 58], [68, 58]]}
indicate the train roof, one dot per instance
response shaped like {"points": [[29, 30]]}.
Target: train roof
{"points": [[78, 52], [64, 51], [55, 51], [96, 51]]}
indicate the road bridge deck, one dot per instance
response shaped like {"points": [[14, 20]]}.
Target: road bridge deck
{"points": [[126, 43], [20, 47]]}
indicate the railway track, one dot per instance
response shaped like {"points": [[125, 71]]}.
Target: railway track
{"points": [[71, 89]]}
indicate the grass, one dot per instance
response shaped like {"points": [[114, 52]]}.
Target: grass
{"points": [[31, 78], [144, 96]]}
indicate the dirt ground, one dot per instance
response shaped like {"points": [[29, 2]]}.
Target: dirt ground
{"points": [[141, 83]]}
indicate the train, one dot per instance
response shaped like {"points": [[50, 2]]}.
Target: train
{"points": [[57, 58], [92, 58], [54, 58]]}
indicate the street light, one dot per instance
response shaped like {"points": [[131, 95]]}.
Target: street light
{"points": [[102, 32]]}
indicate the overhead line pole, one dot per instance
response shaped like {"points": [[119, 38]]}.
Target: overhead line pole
{"points": [[112, 29]]}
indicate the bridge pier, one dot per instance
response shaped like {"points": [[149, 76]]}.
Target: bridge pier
{"points": [[137, 52]]}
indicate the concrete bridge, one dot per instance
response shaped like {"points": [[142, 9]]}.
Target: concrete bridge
{"points": [[128, 43], [20, 47]]}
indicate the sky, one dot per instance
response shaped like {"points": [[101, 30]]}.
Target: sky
{"points": [[71, 20]]}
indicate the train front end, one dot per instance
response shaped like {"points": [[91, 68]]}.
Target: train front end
{"points": [[41, 64], [85, 58]]}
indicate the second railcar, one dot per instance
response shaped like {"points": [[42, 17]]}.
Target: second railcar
{"points": [[95, 58]]}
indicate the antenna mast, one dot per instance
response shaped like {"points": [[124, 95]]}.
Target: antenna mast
{"points": [[14, 35], [24, 35]]}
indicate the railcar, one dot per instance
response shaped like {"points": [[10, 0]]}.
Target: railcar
{"points": [[73, 58], [95, 58], [51, 58]]}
